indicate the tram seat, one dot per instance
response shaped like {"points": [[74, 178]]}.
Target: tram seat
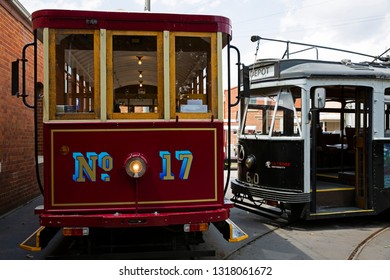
{"points": [[330, 139], [326, 138], [327, 149]]}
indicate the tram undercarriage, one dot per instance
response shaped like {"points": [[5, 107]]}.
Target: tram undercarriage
{"points": [[126, 243]]}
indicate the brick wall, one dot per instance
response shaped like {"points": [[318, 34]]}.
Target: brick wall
{"points": [[234, 115], [234, 110], [17, 171]]}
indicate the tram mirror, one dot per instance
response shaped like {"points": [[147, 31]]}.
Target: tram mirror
{"points": [[319, 97], [15, 77], [245, 81]]}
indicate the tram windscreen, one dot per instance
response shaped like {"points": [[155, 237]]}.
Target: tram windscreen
{"points": [[274, 115], [135, 78]]}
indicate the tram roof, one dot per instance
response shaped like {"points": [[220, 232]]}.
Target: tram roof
{"points": [[77, 19], [304, 68]]}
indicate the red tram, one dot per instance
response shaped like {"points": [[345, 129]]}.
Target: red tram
{"points": [[133, 122]]}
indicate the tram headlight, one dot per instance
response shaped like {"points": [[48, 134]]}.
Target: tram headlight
{"points": [[136, 165], [250, 162]]}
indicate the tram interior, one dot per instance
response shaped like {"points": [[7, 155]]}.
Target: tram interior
{"points": [[340, 135], [334, 130]]}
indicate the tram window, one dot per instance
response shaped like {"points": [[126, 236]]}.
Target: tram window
{"points": [[387, 113], [73, 75], [193, 79], [261, 117], [133, 79]]}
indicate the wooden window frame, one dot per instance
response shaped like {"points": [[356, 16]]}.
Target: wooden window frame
{"points": [[160, 77], [213, 95], [53, 75]]}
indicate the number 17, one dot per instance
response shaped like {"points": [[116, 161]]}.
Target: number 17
{"points": [[185, 156]]}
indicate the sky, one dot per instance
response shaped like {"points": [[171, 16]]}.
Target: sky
{"points": [[360, 25]]}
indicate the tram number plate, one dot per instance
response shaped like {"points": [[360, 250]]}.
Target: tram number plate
{"points": [[252, 178]]}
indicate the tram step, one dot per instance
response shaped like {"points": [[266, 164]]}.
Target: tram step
{"points": [[340, 212], [347, 178], [231, 232], [336, 197], [39, 239]]}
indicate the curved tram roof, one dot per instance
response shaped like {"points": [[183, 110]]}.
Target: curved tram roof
{"points": [[130, 21], [304, 68]]}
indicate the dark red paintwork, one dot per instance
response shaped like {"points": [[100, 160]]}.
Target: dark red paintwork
{"points": [[130, 21], [148, 200]]}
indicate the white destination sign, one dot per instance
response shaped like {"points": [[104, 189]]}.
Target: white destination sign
{"points": [[262, 72]]}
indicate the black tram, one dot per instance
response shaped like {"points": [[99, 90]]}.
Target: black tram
{"points": [[321, 148]]}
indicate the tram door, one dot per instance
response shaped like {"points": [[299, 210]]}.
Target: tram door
{"points": [[361, 142], [339, 171]]}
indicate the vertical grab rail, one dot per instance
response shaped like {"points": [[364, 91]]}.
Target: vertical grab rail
{"points": [[24, 62], [230, 105]]}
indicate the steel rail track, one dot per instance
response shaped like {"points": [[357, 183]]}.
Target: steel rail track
{"points": [[360, 247]]}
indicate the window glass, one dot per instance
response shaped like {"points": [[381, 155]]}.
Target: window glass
{"points": [[193, 74], [387, 113], [274, 115], [134, 74], [75, 75]]}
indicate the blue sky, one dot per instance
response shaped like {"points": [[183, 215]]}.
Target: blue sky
{"points": [[359, 25]]}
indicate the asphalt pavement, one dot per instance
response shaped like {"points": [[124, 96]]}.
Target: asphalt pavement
{"points": [[15, 227], [332, 240]]}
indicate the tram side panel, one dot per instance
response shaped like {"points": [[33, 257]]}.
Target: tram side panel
{"points": [[381, 175]]}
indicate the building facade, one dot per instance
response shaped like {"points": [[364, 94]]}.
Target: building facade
{"points": [[18, 183]]}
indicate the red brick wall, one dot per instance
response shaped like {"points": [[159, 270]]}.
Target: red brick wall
{"points": [[18, 182], [234, 110], [234, 114]]}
